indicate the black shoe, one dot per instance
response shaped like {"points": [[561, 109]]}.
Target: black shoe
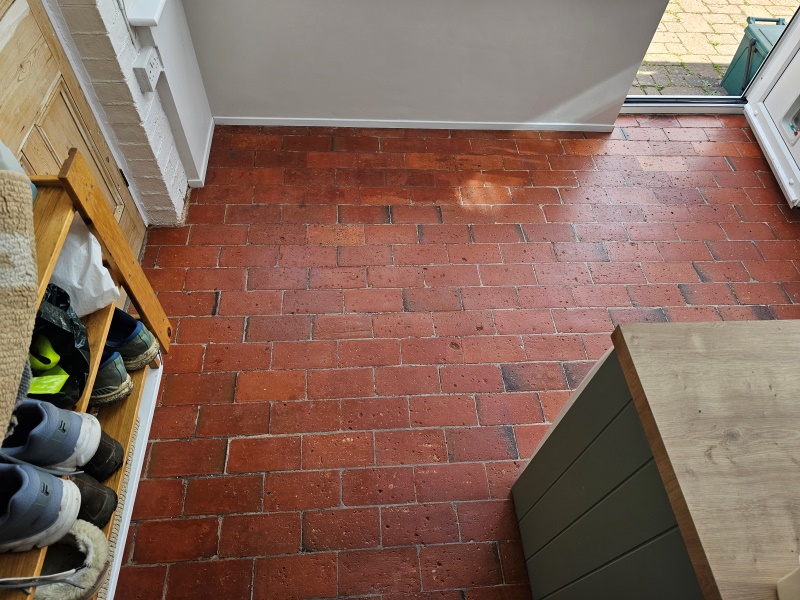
{"points": [[106, 460], [98, 502]]}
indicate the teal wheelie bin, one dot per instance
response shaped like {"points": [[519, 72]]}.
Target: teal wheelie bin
{"points": [[759, 37]]}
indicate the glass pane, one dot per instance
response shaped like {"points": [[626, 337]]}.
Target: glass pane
{"points": [[710, 47]]}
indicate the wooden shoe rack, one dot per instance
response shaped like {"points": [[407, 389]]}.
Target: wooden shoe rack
{"points": [[74, 189]]}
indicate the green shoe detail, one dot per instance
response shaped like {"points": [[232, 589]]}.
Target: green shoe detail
{"points": [[42, 355], [49, 382]]}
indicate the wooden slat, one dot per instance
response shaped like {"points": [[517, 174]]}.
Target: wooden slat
{"points": [[719, 405], [614, 456], [118, 421], [637, 511], [52, 216], [658, 570], [97, 325], [598, 399], [20, 564], [77, 179], [41, 181]]}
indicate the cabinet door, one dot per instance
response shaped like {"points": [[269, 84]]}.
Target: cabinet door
{"points": [[44, 113], [59, 128]]}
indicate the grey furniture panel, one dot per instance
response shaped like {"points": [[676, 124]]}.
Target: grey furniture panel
{"points": [[658, 570], [612, 457], [637, 511], [596, 406]]}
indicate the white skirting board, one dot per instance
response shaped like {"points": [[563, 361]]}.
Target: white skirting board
{"points": [[147, 408], [405, 124]]}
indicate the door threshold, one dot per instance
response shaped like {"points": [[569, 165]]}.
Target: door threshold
{"points": [[720, 105]]}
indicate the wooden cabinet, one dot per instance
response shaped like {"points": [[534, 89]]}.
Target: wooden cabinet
{"points": [[672, 472], [43, 112]]}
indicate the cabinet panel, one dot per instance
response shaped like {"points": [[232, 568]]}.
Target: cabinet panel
{"points": [[637, 511], [595, 406], [614, 456], [62, 129], [44, 113], [658, 570], [38, 154], [28, 70]]}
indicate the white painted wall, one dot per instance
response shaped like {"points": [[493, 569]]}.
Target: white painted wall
{"points": [[181, 89], [96, 33], [445, 63]]}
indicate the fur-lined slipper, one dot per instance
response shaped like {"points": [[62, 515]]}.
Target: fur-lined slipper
{"points": [[79, 562]]}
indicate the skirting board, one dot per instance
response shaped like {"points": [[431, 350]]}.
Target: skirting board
{"points": [[399, 124], [147, 408], [200, 182]]}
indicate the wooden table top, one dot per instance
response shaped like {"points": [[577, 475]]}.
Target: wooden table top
{"points": [[720, 404]]}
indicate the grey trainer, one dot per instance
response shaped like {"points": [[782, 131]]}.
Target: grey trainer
{"points": [[47, 436], [36, 508], [112, 383], [132, 340]]}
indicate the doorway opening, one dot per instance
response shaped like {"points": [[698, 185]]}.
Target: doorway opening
{"points": [[710, 48]]}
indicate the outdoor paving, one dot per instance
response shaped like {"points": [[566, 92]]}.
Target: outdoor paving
{"points": [[695, 42]]}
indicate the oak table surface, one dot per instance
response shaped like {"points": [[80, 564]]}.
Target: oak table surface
{"points": [[720, 404]]}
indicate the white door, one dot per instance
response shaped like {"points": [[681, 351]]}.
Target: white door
{"points": [[773, 110]]}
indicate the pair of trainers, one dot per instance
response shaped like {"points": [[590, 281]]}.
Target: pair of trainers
{"points": [[129, 347], [37, 507]]}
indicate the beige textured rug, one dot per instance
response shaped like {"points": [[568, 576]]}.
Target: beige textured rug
{"points": [[17, 285]]}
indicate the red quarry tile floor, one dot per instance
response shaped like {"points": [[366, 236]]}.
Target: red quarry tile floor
{"points": [[375, 327]]}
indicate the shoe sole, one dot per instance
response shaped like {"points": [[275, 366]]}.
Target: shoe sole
{"points": [[67, 515], [88, 443], [144, 359], [122, 392]]}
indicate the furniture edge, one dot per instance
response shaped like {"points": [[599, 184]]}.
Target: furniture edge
{"points": [[691, 538]]}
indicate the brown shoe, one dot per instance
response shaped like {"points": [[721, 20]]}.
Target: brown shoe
{"points": [[106, 460], [98, 502]]}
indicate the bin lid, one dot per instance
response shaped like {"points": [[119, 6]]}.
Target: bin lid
{"points": [[765, 35]]}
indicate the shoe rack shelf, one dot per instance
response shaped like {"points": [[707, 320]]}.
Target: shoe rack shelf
{"points": [[97, 325], [74, 189]]}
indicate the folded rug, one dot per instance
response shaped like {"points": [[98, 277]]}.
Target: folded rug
{"points": [[18, 287]]}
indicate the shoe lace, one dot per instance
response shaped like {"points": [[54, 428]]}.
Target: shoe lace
{"points": [[23, 583]]}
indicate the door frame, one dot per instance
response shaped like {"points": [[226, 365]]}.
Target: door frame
{"points": [[769, 137]]}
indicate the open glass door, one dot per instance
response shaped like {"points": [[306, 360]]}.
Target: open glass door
{"points": [[773, 110]]}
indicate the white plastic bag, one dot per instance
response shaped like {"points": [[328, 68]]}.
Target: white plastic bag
{"points": [[80, 271]]}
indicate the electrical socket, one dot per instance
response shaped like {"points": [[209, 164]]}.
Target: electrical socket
{"points": [[147, 67]]}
